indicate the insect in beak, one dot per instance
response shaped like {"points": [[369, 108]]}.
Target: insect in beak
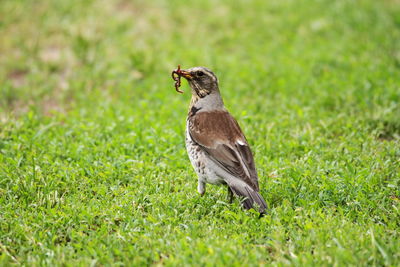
{"points": [[176, 76]]}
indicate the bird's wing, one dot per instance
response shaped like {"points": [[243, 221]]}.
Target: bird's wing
{"points": [[219, 134]]}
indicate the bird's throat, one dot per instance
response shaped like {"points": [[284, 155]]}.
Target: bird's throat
{"points": [[194, 100]]}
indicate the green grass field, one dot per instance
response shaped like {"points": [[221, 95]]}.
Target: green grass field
{"points": [[93, 166]]}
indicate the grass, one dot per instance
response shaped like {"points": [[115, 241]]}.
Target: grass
{"points": [[93, 167]]}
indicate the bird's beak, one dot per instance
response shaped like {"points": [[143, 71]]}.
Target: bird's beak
{"points": [[185, 74]]}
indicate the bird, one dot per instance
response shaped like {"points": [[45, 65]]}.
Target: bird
{"points": [[216, 146]]}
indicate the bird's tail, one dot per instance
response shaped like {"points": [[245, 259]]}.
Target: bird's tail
{"points": [[251, 198]]}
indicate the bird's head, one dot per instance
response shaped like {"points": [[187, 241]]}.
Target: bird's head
{"points": [[202, 81]]}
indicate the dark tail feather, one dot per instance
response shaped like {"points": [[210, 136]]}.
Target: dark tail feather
{"points": [[251, 198]]}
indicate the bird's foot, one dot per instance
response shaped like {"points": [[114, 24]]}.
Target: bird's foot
{"points": [[201, 188], [230, 196]]}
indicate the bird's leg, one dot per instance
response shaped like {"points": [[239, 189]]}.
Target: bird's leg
{"points": [[201, 187], [230, 195]]}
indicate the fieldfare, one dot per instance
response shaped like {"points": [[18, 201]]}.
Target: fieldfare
{"points": [[217, 147]]}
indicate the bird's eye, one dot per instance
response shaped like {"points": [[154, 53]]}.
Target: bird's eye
{"points": [[200, 73]]}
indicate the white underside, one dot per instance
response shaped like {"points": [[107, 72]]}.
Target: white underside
{"points": [[207, 171]]}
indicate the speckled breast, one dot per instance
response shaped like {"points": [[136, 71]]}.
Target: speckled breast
{"points": [[196, 155]]}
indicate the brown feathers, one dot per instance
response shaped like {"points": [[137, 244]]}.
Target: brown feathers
{"points": [[218, 133], [216, 146]]}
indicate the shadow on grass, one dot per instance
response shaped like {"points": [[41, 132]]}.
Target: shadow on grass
{"points": [[386, 130]]}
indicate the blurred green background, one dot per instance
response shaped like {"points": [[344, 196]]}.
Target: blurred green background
{"points": [[93, 167]]}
